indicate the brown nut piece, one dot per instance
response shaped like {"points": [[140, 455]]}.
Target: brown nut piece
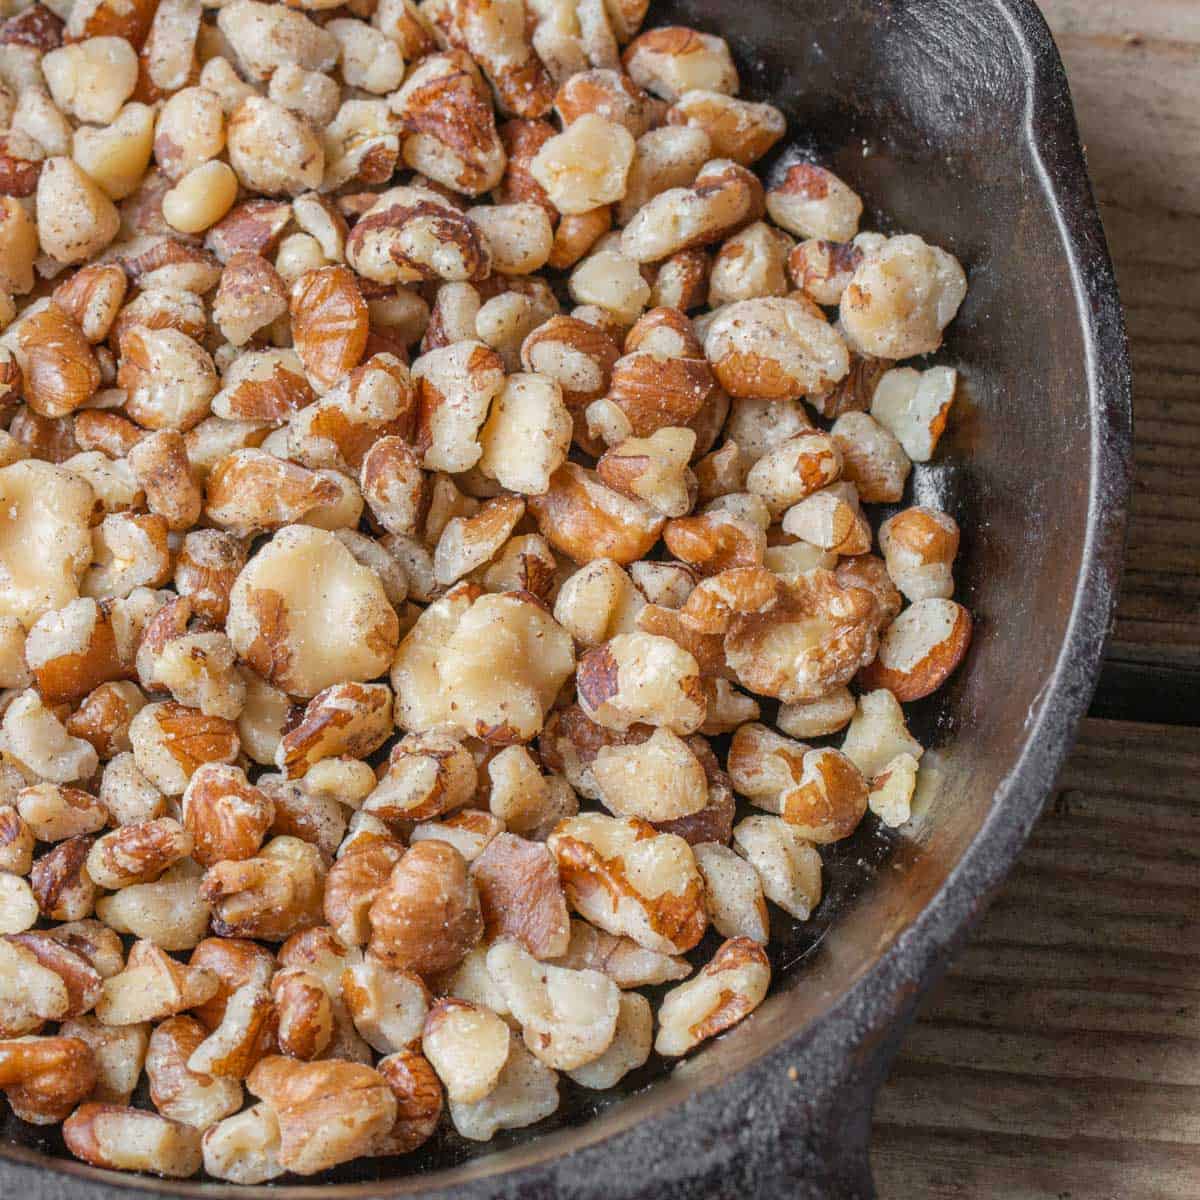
{"points": [[730, 986], [130, 1139], [225, 814], [178, 1092], [920, 649], [352, 719], [521, 897], [137, 853], [305, 1013], [44, 1078], [919, 546], [269, 896], [427, 915]]}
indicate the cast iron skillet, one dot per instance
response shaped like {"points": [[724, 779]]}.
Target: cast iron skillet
{"points": [[953, 119]]}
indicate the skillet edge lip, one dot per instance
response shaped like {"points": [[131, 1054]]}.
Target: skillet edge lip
{"points": [[846, 1050]]}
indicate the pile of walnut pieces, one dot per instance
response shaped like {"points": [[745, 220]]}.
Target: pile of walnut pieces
{"points": [[244, 539]]}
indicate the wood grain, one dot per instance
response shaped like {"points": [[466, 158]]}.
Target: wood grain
{"points": [[1134, 67], [1061, 1056]]}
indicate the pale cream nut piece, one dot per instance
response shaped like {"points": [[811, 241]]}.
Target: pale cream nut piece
{"points": [[244, 1148], [525, 1093], [170, 912], [872, 458], [388, 1006], [178, 1092], [811, 202], [274, 151], [201, 198], [467, 1044], [817, 718], [674, 59], [281, 625], [36, 738], [91, 79], [733, 893], [915, 406], [598, 602], [527, 434], [130, 1139], [629, 1049], [878, 734], [658, 780], [740, 130], [788, 866], [586, 165], [119, 1052], [626, 963], [611, 280], [901, 298], [727, 989], [152, 986], [75, 219], [919, 545], [18, 905], [641, 677]]}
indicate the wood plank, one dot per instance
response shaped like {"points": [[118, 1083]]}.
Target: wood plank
{"points": [[1134, 67], [1061, 1055]]}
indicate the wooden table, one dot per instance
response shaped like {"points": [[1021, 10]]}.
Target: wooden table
{"points": [[1061, 1058]]}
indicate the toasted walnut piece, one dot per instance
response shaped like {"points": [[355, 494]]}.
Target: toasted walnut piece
{"points": [[722, 198], [346, 718], [190, 131], [75, 219], [169, 378], [160, 464], [468, 1046], [817, 718], [352, 884], [878, 734], [788, 866], [92, 297], [822, 269], [674, 59], [269, 896], [901, 298], [37, 739], [576, 234], [586, 520], [130, 1139], [597, 602], [657, 780], [641, 677], [814, 639], [919, 545], [282, 629], [455, 386], [58, 367], [577, 356], [244, 1148], [519, 235], [920, 649], [206, 566], [19, 243], [733, 893], [33, 992], [608, 94], [250, 296], [729, 987], [525, 1092], [16, 848], [427, 915], [179, 1093], [245, 1034], [127, 794], [116, 156], [411, 234], [874, 461], [610, 280], [653, 470], [522, 139], [128, 552], [585, 165], [467, 543], [795, 468], [750, 265], [152, 985], [773, 348], [119, 1053], [568, 1017], [915, 406], [234, 963], [250, 492], [626, 963], [251, 227], [629, 1049], [305, 1013], [45, 1077], [169, 912], [521, 897], [274, 151], [226, 816], [448, 124], [420, 700], [827, 798], [571, 740], [624, 877], [525, 564], [54, 813], [265, 38], [812, 202], [329, 324], [394, 485], [890, 797], [328, 1112], [388, 1006], [427, 774], [868, 571], [737, 129], [72, 650], [527, 434], [170, 741]]}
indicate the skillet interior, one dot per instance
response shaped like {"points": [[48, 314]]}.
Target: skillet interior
{"points": [[951, 122]]}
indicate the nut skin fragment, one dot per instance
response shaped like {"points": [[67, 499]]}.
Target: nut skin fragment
{"points": [[427, 915]]}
